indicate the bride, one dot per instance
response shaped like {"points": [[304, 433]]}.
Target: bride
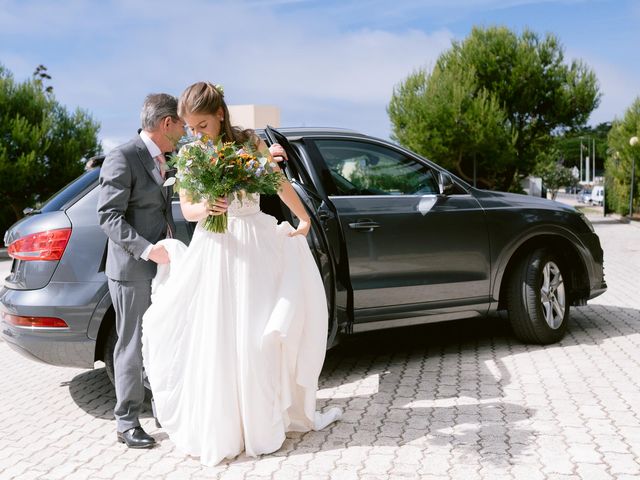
{"points": [[235, 338]]}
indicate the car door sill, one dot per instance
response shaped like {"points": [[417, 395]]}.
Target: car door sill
{"points": [[405, 322]]}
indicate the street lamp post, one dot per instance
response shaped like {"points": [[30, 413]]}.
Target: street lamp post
{"points": [[633, 141]]}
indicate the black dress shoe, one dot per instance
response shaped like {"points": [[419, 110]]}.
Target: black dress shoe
{"points": [[136, 438]]}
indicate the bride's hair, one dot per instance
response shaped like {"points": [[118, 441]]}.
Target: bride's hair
{"points": [[204, 97]]}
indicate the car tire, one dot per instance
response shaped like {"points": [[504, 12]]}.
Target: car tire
{"points": [[109, 347], [538, 302]]}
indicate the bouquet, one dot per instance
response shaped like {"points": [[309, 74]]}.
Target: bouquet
{"points": [[208, 170]]}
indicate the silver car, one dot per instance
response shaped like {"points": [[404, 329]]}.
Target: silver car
{"points": [[55, 306]]}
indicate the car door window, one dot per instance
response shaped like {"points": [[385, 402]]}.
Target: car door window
{"points": [[359, 168]]}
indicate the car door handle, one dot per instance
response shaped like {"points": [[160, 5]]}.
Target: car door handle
{"points": [[364, 225]]}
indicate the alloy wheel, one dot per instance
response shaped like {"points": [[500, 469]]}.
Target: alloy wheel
{"points": [[552, 295]]}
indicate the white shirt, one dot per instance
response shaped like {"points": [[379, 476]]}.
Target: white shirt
{"points": [[154, 151]]}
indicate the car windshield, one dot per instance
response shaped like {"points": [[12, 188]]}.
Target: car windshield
{"points": [[67, 194]]}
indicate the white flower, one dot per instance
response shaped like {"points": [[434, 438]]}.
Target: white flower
{"points": [[169, 181], [262, 160]]}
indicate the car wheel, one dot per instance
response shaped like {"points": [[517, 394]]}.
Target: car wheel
{"points": [[538, 304], [109, 347]]}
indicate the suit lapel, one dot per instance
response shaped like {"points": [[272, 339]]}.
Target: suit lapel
{"points": [[150, 165]]}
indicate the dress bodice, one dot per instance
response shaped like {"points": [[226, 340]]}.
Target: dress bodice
{"points": [[244, 204]]}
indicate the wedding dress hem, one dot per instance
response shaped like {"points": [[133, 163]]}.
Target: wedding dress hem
{"points": [[235, 338]]}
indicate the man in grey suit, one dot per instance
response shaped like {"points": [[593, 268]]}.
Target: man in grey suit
{"points": [[134, 210]]}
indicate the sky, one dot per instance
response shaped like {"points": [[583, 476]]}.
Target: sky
{"points": [[330, 63]]}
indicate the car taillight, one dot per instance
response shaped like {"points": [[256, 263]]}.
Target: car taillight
{"points": [[48, 245], [20, 321]]}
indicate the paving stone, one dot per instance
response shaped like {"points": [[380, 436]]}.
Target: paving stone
{"points": [[430, 402]]}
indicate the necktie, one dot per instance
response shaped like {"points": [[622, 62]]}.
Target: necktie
{"points": [[161, 163]]}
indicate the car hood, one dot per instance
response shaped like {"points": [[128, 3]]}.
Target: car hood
{"points": [[489, 199]]}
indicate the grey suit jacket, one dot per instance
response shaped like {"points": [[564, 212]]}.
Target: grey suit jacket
{"points": [[134, 210]]}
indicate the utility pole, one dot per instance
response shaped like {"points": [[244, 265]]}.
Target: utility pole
{"points": [[580, 158], [633, 141], [594, 160]]}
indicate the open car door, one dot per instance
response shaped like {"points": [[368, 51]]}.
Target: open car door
{"points": [[325, 236]]}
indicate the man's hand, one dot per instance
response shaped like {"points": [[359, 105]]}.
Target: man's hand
{"points": [[277, 152], [159, 254]]}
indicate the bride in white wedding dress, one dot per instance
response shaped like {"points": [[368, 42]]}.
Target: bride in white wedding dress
{"points": [[235, 338]]}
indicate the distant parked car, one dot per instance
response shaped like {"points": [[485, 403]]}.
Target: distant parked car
{"points": [[398, 241], [597, 195], [584, 196]]}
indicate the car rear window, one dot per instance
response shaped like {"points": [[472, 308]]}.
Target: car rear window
{"points": [[71, 192]]}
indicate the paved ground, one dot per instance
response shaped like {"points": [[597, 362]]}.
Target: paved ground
{"points": [[457, 400]]}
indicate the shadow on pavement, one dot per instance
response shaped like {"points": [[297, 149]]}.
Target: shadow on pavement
{"points": [[93, 392], [439, 384], [450, 380], [593, 324]]}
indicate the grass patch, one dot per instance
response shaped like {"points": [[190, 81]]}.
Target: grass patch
{"points": [[589, 209]]}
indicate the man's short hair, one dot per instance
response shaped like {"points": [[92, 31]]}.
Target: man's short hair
{"points": [[156, 107]]}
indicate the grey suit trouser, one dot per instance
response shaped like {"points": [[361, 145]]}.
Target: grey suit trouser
{"points": [[130, 300]]}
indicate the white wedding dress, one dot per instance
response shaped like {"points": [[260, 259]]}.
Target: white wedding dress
{"points": [[235, 338]]}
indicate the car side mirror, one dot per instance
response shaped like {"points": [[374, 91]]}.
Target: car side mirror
{"points": [[445, 183]]}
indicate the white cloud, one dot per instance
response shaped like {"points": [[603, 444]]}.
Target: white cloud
{"points": [[109, 143], [305, 57], [297, 61]]}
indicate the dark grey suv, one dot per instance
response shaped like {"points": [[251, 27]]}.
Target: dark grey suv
{"points": [[398, 240]]}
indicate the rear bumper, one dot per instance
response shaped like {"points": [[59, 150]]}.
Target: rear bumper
{"points": [[69, 347], [53, 348]]}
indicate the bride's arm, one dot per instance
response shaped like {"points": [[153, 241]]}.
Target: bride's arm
{"points": [[289, 196], [194, 212]]}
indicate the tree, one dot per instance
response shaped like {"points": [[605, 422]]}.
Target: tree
{"points": [[619, 158], [497, 98], [553, 173], [568, 143], [41, 143]]}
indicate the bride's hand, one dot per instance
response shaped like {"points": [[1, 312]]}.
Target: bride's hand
{"points": [[303, 228], [218, 207], [278, 152]]}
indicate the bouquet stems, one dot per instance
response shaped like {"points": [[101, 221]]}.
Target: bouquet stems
{"points": [[217, 223]]}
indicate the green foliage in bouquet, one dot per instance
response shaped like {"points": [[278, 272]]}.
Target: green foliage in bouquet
{"points": [[209, 170]]}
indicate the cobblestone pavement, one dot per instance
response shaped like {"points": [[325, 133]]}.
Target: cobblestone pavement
{"points": [[456, 400]]}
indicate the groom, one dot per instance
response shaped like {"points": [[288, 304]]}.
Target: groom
{"points": [[134, 210]]}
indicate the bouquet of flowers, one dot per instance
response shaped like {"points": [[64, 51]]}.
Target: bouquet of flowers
{"points": [[208, 171]]}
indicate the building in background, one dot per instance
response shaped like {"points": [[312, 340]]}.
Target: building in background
{"points": [[254, 116]]}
